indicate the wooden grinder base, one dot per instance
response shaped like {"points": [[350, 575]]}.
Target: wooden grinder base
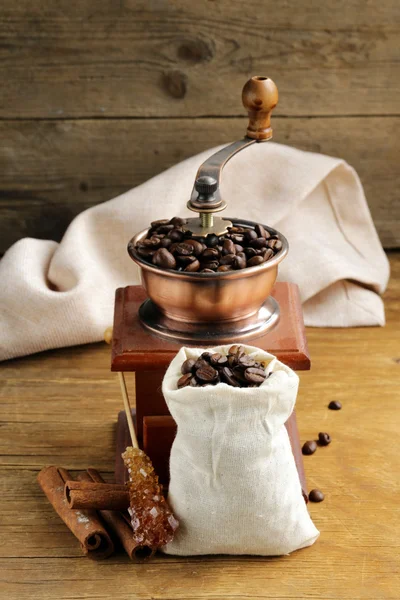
{"points": [[135, 349]]}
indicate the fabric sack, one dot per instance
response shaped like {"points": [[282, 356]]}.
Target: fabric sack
{"points": [[234, 484]]}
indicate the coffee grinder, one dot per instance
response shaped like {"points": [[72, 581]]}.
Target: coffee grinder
{"points": [[172, 308]]}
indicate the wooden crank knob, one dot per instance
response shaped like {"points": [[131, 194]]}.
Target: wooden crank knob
{"points": [[259, 96]]}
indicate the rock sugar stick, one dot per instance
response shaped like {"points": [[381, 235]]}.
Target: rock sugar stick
{"points": [[152, 521]]}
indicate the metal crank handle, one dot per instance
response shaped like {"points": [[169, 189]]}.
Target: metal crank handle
{"points": [[259, 96]]}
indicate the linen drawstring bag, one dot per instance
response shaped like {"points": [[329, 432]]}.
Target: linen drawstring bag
{"points": [[234, 485]]}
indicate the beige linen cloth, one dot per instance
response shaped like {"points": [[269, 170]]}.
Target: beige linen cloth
{"points": [[55, 295]]}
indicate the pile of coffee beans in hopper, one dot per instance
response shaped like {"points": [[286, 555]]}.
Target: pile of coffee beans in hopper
{"points": [[168, 246]]}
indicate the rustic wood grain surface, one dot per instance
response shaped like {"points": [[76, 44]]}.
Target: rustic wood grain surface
{"points": [[60, 408], [96, 97]]}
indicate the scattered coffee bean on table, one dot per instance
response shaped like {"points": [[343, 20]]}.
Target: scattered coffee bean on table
{"points": [[324, 439], [309, 448], [335, 405], [316, 496], [237, 369], [168, 246]]}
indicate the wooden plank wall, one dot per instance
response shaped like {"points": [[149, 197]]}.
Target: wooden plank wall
{"points": [[97, 96]]}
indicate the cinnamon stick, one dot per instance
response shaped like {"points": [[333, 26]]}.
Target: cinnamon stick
{"points": [[119, 523], [98, 496], [84, 524]]}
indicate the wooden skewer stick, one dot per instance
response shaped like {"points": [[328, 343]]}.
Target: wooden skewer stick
{"points": [[128, 411], [108, 338]]}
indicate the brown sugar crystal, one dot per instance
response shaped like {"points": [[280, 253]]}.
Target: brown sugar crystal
{"points": [[152, 521]]}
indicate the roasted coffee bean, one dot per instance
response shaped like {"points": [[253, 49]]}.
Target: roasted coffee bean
{"points": [[324, 438], [218, 360], [184, 260], [173, 247], [200, 363], [239, 262], [210, 254], [335, 405], [275, 244], [184, 380], [256, 260], [210, 266], [227, 259], [238, 248], [239, 374], [250, 252], [250, 235], [259, 243], [164, 259], [309, 448], [223, 268], [187, 365], [152, 242], [246, 361], [206, 356], [193, 267], [206, 374], [165, 242], [232, 361], [197, 246], [160, 222], [165, 228], [254, 375], [227, 377], [207, 271], [176, 235], [316, 496], [212, 240], [178, 221], [237, 238], [260, 231], [268, 254], [228, 247], [237, 350], [145, 252], [183, 249]]}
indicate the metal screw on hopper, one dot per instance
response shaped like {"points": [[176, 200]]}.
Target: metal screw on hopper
{"points": [[206, 186]]}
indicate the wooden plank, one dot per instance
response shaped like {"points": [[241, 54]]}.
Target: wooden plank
{"points": [[340, 14], [50, 171], [212, 579], [172, 58], [358, 553]]}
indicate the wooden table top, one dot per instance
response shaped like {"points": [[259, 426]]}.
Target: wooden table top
{"points": [[60, 408]]}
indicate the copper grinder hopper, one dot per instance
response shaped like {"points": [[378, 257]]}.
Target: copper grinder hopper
{"points": [[219, 307]]}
